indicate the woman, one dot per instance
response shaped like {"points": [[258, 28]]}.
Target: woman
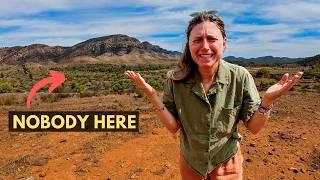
{"points": [[205, 97]]}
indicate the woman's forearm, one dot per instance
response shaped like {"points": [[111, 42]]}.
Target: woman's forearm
{"points": [[167, 119], [257, 121]]}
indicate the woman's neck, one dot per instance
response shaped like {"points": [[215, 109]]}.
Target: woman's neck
{"points": [[208, 74]]}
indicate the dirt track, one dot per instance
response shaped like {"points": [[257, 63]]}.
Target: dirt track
{"points": [[287, 148]]}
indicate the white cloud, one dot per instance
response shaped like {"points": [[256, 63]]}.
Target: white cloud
{"points": [[295, 48], [290, 17], [292, 11]]}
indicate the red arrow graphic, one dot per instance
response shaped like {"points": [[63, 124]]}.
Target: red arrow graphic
{"points": [[56, 79]]}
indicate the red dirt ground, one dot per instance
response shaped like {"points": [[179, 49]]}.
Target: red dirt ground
{"points": [[287, 148]]}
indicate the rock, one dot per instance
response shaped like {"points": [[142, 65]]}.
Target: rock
{"points": [[155, 133], [42, 174], [63, 140], [271, 139], [40, 161], [265, 161], [295, 170], [302, 170], [249, 160], [252, 144], [134, 173], [160, 171], [285, 136], [30, 178], [132, 176], [270, 153]]}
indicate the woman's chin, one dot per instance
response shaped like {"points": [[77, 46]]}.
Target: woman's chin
{"points": [[207, 63]]}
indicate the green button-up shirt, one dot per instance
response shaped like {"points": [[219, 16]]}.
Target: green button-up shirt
{"points": [[208, 135]]}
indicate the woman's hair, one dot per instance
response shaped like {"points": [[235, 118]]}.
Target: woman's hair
{"points": [[185, 64]]}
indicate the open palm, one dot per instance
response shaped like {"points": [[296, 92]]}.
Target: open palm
{"points": [[140, 82], [283, 86]]}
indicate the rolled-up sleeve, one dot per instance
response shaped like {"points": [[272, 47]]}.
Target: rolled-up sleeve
{"points": [[251, 98], [168, 98]]}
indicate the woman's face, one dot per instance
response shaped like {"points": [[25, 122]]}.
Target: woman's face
{"points": [[206, 44]]}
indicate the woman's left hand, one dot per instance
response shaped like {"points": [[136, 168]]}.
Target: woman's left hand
{"points": [[281, 88]]}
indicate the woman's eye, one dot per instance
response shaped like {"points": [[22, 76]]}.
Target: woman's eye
{"points": [[212, 40]]}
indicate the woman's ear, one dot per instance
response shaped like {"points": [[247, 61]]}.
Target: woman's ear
{"points": [[224, 44]]}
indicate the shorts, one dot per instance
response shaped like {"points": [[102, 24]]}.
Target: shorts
{"points": [[231, 169]]}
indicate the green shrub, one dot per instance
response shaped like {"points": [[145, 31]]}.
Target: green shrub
{"points": [[78, 87], [120, 85], [317, 87], [265, 84], [7, 87], [306, 87], [262, 73], [8, 99]]}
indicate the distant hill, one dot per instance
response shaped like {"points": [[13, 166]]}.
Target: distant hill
{"points": [[114, 49], [264, 60], [310, 60], [118, 49]]}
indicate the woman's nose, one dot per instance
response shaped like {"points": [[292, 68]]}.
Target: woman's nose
{"points": [[205, 44]]}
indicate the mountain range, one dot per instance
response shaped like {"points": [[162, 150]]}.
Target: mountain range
{"points": [[120, 49], [114, 48], [276, 60]]}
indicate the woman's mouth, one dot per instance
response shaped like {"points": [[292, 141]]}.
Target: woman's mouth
{"points": [[205, 55]]}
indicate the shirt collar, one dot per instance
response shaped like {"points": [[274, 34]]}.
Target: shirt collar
{"points": [[222, 76]]}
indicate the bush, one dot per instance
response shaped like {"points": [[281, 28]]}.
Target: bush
{"points": [[263, 73], [265, 84], [7, 87], [54, 97], [12, 99], [317, 87], [306, 87], [120, 85], [88, 94], [78, 87]]}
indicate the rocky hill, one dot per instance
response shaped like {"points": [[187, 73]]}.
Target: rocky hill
{"points": [[264, 60], [310, 60], [114, 48], [39, 53]]}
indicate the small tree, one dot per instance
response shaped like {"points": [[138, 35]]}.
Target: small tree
{"points": [[263, 73]]}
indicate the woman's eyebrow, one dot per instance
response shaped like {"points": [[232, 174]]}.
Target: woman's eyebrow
{"points": [[201, 36]]}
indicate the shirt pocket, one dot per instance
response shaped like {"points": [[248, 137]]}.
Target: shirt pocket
{"points": [[227, 119]]}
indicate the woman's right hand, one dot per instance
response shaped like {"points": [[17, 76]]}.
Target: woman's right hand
{"points": [[165, 116], [141, 83]]}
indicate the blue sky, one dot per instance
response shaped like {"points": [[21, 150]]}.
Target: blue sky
{"points": [[288, 28]]}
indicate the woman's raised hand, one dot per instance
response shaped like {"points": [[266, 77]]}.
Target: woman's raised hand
{"points": [[140, 83], [282, 87]]}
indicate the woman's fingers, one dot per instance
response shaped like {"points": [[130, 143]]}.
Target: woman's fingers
{"points": [[141, 78], [294, 80], [132, 75], [297, 77], [284, 78], [136, 77], [290, 83]]}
